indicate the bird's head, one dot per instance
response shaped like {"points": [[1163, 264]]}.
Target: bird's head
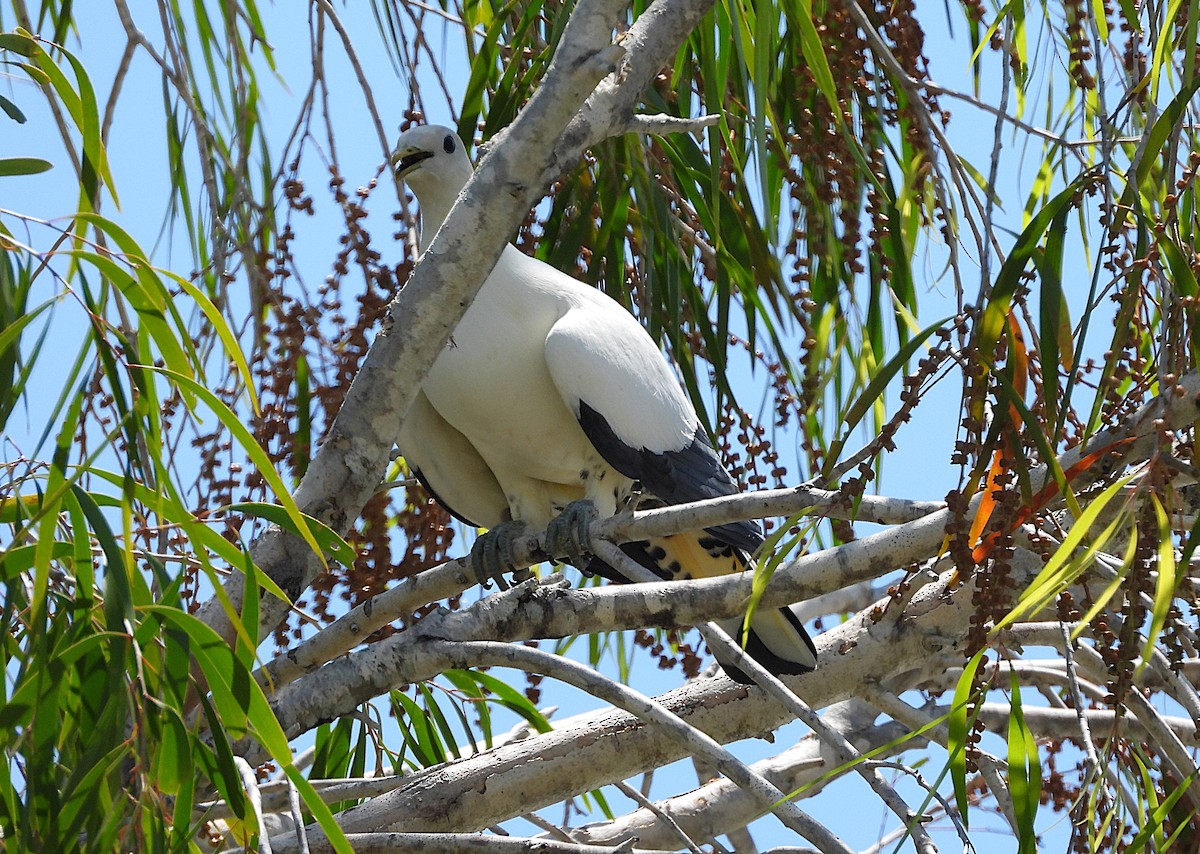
{"points": [[433, 161]]}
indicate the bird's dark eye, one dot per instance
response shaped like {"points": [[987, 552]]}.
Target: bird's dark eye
{"points": [[448, 144]]}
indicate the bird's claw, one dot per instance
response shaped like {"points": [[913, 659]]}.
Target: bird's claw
{"points": [[569, 533], [493, 555]]}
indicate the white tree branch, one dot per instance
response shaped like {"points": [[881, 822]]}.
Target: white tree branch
{"points": [[373, 815], [902, 649], [719, 806], [450, 579]]}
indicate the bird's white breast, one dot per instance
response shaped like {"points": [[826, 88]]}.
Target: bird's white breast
{"points": [[492, 384]]}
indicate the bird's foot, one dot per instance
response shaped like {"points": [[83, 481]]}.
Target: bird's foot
{"points": [[492, 555], [569, 533]]}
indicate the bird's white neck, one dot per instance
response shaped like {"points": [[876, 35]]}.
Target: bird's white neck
{"points": [[436, 197]]}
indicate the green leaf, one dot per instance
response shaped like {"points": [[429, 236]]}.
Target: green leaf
{"points": [[173, 762], [88, 121], [23, 166], [19, 42], [1050, 218], [1063, 567], [228, 337], [148, 297], [513, 700], [959, 728], [11, 333], [253, 450], [418, 731], [464, 681], [1159, 815], [769, 557], [1167, 580], [239, 699], [438, 718], [1156, 138], [1024, 771], [21, 559], [331, 750], [812, 46], [327, 538], [1101, 600]]}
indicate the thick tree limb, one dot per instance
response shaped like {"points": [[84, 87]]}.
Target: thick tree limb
{"points": [[460, 843]]}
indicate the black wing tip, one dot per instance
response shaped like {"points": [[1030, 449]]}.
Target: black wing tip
{"points": [[675, 476]]}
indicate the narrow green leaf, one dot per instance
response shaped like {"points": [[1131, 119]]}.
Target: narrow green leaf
{"points": [[173, 760], [1166, 582], [994, 314], [769, 557], [1100, 17], [1024, 771], [331, 749], [228, 337], [89, 126], [237, 696], [19, 43], [253, 450], [21, 559], [1159, 815], [150, 294], [465, 682], [813, 49], [1156, 138], [438, 718], [11, 333], [327, 538], [23, 166], [1183, 278], [304, 420], [418, 731], [513, 700], [1057, 573], [958, 728], [1100, 601]]}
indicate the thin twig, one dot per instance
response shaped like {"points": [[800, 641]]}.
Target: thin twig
{"points": [[662, 815], [297, 816], [250, 784]]}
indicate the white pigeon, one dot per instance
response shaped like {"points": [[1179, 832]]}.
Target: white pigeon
{"points": [[549, 393]]}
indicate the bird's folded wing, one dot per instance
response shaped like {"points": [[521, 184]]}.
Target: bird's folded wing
{"points": [[634, 412]]}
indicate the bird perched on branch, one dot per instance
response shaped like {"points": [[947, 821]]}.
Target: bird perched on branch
{"points": [[550, 403]]}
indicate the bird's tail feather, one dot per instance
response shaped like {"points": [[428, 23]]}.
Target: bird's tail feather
{"points": [[777, 638]]}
